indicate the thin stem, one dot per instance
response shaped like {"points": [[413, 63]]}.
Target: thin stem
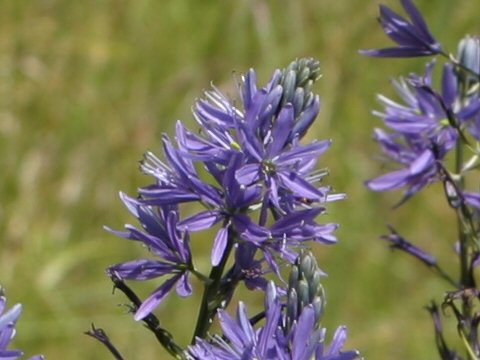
{"points": [[210, 303], [445, 276], [467, 344], [200, 276], [101, 335], [151, 321], [455, 62], [467, 332]]}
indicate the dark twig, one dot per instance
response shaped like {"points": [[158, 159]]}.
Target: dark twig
{"points": [[101, 335], [150, 321]]}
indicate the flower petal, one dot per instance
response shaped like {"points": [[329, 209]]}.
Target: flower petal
{"points": [[219, 245], [155, 298], [201, 221]]}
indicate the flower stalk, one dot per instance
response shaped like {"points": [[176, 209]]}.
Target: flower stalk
{"points": [[211, 302]]}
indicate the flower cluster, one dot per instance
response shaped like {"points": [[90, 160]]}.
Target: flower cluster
{"points": [[265, 193], [427, 125], [257, 183]]}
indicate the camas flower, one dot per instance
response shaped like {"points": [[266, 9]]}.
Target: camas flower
{"points": [[8, 320], [177, 180], [162, 238], [227, 206], [413, 37], [272, 341], [419, 163], [257, 167], [425, 129], [253, 153], [286, 235], [266, 132]]}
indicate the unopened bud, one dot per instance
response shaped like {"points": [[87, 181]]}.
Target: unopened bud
{"points": [[469, 57], [305, 288]]}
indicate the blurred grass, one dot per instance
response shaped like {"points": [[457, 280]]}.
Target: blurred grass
{"points": [[86, 87]]}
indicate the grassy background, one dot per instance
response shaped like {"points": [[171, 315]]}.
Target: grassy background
{"points": [[87, 86]]}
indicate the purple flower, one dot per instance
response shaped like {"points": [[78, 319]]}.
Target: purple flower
{"points": [[243, 341], [8, 320], [227, 204], [425, 128], [286, 235], [267, 132], [162, 238], [272, 340], [413, 37], [219, 117], [419, 165], [177, 180], [282, 168], [274, 156], [257, 168], [247, 268], [253, 153]]}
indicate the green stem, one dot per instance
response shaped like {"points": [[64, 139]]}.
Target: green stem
{"points": [[445, 276], [467, 330], [455, 62], [210, 303], [464, 263]]}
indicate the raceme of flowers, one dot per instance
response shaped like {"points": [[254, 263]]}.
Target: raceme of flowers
{"points": [[257, 183], [260, 169]]}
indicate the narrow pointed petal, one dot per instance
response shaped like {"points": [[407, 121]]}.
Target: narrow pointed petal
{"points": [[184, 288], [11, 316], [417, 19], [303, 153], [248, 174], [449, 86], [201, 221], [338, 341], [232, 330], [390, 181], [249, 89], [156, 298], [281, 130], [142, 269], [424, 162], [219, 245], [306, 119], [300, 187], [396, 52]]}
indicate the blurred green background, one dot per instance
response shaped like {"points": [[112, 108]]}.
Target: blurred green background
{"points": [[87, 86]]}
